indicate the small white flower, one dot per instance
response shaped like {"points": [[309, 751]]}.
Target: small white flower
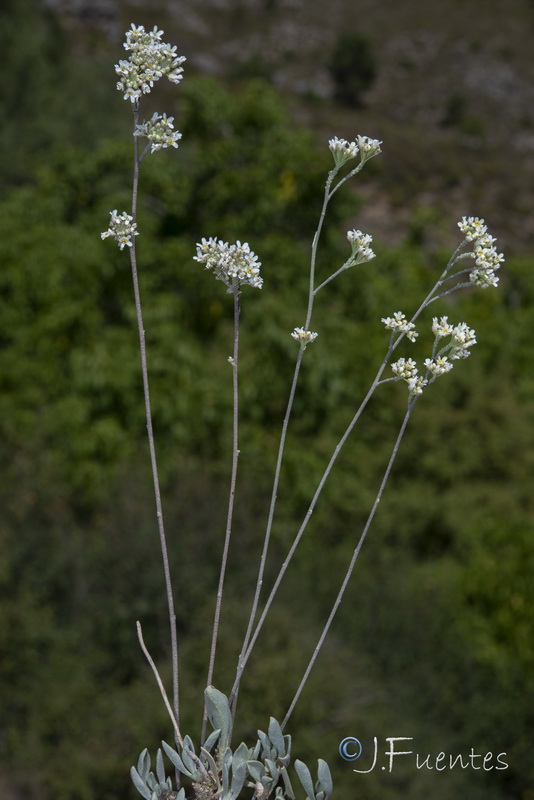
{"points": [[399, 323], [342, 150], [359, 242], [487, 259], [304, 337], [230, 263], [150, 60], [368, 147], [441, 328], [438, 366], [473, 227], [463, 337], [416, 385], [122, 228], [483, 278], [405, 368], [159, 130]]}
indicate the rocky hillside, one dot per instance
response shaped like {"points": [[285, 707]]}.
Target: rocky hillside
{"points": [[452, 95]]}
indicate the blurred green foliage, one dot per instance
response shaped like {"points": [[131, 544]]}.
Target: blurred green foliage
{"points": [[434, 639]]}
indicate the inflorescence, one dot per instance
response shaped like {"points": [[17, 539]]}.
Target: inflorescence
{"points": [[304, 337], [359, 242], [150, 60], [342, 150], [233, 264], [122, 228], [462, 337], [159, 130], [487, 259]]}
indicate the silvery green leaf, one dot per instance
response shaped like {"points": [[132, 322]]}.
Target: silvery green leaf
{"points": [[225, 775], [276, 736], [160, 768], [238, 779], [241, 755], [143, 764], [256, 769], [151, 781], [191, 764], [266, 781], [265, 743], [176, 760], [140, 784], [273, 769], [287, 742], [181, 794], [227, 758], [287, 784], [212, 766], [325, 777], [320, 796], [212, 738], [188, 744], [305, 778], [256, 752], [154, 796], [219, 714]]}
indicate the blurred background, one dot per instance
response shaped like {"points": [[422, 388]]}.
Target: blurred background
{"points": [[434, 639]]}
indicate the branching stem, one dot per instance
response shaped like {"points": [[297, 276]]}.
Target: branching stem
{"points": [[353, 560], [281, 447], [252, 637]]}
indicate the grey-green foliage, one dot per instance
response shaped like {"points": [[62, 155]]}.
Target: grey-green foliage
{"points": [[150, 786], [323, 787], [223, 773]]}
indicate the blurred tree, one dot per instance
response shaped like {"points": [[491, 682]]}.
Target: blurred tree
{"points": [[353, 68]]}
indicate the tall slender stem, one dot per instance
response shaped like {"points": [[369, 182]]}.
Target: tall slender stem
{"points": [[304, 524], [283, 436], [230, 514], [150, 433], [245, 655], [352, 562]]}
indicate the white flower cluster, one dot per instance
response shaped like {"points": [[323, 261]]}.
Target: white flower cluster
{"points": [[441, 327], [122, 228], [230, 262], [361, 252], [342, 150], [438, 366], [399, 323], [368, 147], [150, 60], [159, 131], [473, 227], [462, 337], [304, 337], [406, 370], [487, 259]]}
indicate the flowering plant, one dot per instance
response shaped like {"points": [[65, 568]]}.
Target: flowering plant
{"points": [[214, 768]]}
